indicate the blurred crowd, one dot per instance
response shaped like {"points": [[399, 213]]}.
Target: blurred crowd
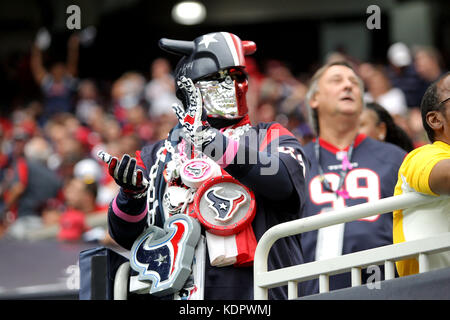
{"points": [[50, 175]]}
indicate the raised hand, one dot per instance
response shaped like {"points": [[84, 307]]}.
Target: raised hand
{"points": [[126, 174], [196, 128]]}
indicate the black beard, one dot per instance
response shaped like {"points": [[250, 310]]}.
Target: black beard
{"points": [[219, 123]]}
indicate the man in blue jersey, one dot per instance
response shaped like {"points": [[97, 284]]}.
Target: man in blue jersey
{"points": [[347, 168], [264, 166]]}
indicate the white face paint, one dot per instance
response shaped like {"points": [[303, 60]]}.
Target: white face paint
{"points": [[219, 97]]}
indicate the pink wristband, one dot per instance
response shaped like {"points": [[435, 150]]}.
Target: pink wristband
{"points": [[125, 216]]}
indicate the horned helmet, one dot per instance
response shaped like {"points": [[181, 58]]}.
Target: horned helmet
{"points": [[215, 63]]}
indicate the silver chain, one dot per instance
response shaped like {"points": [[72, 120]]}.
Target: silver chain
{"points": [[151, 194], [234, 134]]}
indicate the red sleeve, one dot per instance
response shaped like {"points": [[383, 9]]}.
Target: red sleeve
{"points": [[139, 161], [22, 169]]}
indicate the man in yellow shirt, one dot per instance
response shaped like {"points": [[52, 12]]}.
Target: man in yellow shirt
{"points": [[427, 170]]}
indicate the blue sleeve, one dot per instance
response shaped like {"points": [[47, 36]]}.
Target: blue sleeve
{"points": [[125, 231], [270, 164], [127, 218]]}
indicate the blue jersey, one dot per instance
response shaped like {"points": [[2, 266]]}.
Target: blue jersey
{"points": [[372, 176], [279, 198]]}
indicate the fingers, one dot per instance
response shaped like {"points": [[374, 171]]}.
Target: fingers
{"points": [[140, 180], [126, 174], [191, 92], [186, 84], [120, 168], [124, 171], [112, 166], [110, 160], [106, 157], [179, 112], [194, 116], [193, 111], [129, 171]]}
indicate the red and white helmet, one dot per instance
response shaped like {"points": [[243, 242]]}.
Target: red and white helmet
{"points": [[207, 58]]}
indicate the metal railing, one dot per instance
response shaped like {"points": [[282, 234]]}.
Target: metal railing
{"points": [[354, 262], [50, 232]]}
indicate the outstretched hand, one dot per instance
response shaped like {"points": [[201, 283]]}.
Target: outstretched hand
{"points": [[126, 174]]}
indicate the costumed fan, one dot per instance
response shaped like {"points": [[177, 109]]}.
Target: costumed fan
{"points": [[192, 207]]}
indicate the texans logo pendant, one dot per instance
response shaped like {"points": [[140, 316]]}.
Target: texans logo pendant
{"points": [[164, 257], [224, 206], [194, 172]]}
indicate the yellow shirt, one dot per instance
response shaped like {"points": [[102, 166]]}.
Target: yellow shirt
{"points": [[426, 220]]}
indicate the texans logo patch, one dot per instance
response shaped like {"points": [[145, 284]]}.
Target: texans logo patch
{"points": [[196, 169], [164, 257], [224, 207]]}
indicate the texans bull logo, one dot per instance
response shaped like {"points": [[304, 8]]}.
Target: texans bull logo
{"points": [[224, 207], [164, 257], [196, 169]]}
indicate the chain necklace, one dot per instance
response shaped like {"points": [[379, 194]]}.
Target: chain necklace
{"points": [[151, 192], [346, 166], [179, 157], [236, 133]]}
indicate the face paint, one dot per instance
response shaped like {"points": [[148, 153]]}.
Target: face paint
{"points": [[224, 95]]}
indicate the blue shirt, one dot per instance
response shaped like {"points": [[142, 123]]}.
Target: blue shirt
{"points": [[373, 176]]}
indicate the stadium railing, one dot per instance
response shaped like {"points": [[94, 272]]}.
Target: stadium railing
{"points": [[353, 262]]}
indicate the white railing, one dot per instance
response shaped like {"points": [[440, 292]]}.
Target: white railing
{"points": [[354, 262]]}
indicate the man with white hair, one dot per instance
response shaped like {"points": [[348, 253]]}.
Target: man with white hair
{"points": [[347, 168], [38, 149]]}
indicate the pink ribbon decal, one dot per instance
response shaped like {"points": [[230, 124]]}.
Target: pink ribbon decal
{"points": [[346, 165], [343, 194]]}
